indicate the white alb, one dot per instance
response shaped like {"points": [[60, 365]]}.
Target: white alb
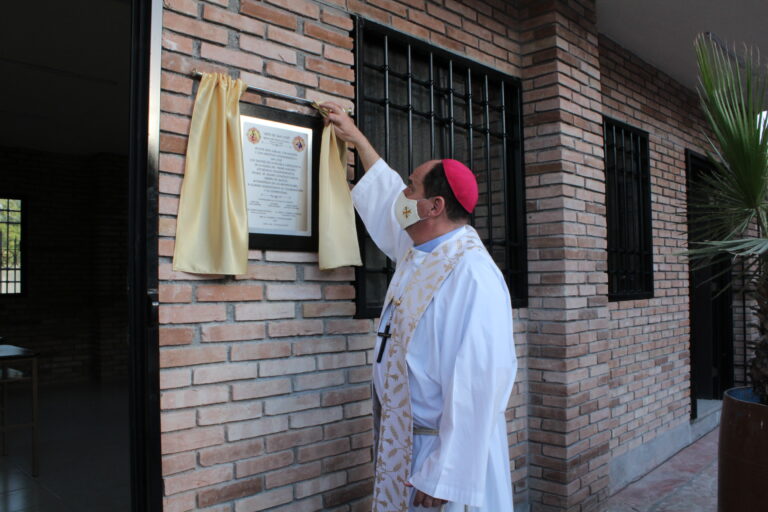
{"points": [[461, 364]]}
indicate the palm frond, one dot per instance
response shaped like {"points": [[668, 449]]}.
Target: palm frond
{"points": [[745, 247], [732, 201], [733, 97]]}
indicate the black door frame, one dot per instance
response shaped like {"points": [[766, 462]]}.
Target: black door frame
{"points": [[144, 386], [725, 355]]}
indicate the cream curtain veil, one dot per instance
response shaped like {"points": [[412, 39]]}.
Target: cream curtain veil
{"points": [[337, 233], [212, 227]]}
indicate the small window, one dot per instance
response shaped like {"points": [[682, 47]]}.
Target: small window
{"points": [[10, 245], [416, 102], [628, 203]]}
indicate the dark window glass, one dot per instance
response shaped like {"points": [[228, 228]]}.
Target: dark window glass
{"points": [[10, 246], [628, 203], [416, 103]]}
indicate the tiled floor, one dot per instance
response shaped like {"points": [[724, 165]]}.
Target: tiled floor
{"points": [[84, 456], [685, 483]]}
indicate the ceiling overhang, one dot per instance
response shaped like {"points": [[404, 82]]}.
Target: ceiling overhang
{"points": [[661, 32]]}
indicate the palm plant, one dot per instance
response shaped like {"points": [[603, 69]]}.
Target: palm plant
{"points": [[733, 200]]}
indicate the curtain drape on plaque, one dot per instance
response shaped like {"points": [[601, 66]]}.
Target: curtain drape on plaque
{"points": [[212, 227], [337, 232]]}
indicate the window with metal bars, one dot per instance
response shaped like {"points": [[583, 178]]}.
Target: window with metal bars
{"points": [[10, 246], [628, 203], [415, 103]]}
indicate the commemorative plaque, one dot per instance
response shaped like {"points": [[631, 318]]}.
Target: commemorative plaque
{"points": [[280, 162]]}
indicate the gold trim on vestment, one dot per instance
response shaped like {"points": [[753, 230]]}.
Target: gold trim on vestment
{"points": [[392, 411]]}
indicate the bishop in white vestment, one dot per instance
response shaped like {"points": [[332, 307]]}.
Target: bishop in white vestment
{"points": [[458, 345]]}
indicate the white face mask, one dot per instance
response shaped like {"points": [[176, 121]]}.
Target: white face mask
{"points": [[406, 212]]}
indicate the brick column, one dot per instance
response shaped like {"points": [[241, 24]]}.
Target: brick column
{"points": [[568, 329]]}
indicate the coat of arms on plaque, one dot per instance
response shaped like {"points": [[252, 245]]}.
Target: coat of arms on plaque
{"points": [[254, 135]]}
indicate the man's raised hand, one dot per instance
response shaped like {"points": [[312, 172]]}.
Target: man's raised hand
{"points": [[344, 125], [347, 131]]}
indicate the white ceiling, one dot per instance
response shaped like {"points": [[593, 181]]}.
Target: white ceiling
{"points": [[661, 32]]}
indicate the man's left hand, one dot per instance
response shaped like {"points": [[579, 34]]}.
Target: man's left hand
{"points": [[426, 501]]}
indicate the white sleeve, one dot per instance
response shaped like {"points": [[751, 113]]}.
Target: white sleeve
{"points": [[374, 198], [476, 389]]}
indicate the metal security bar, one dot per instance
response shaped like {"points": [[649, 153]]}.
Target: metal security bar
{"points": [[417, 102], [10, 246], [628, 202]]}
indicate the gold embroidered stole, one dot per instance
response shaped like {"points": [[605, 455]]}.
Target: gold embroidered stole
{"points": [[393, 417]]}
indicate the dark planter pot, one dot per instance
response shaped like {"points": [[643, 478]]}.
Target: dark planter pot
{"points": [[742, 474]]}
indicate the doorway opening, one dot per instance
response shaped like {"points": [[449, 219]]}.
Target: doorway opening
{"points": [[711, 313], [67, 161]]}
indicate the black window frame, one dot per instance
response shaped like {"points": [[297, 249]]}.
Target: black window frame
{"points": [[629, 230], [22, 246], [513, 239]]}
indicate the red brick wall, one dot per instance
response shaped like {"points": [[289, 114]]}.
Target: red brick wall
{"points": [[745, 333], [265, 377], [650, 359], [567, 332]]}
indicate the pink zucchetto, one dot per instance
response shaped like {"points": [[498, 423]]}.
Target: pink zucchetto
{"points": [[462, 182]]}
